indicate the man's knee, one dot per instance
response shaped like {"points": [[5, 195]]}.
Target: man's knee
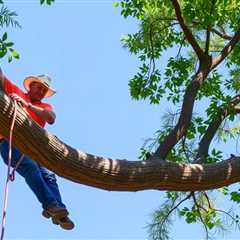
{"points": [[49, 177]]}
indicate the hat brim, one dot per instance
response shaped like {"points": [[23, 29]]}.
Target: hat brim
{"points": [[28, 80]]}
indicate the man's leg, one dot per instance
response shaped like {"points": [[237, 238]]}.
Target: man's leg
{"points": [[33, 177], [50, 179]]}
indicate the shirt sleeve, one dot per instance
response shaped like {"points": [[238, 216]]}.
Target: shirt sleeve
{"points": [[10, 87], [47, 106]]}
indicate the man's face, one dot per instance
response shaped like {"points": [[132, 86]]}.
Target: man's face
{"points": [[37, 91]]}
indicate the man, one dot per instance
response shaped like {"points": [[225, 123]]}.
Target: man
{"points": [[41, 181]]}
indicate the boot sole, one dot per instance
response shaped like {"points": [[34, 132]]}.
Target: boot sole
{"points": [[66, 226]]}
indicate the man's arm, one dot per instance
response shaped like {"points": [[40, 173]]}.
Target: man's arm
{"points": [[2, 77], [47, 115]]}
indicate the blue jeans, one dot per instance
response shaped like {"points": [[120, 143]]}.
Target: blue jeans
{"points": [[41, 181]]}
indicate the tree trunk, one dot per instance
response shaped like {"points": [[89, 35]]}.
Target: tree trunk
{"points": [[108, 174]]}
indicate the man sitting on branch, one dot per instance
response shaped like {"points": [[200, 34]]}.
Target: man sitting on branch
{"points": [[40, 180]]}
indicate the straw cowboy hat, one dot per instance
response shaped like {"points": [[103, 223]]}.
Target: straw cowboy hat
{"points": [[43, 79]]}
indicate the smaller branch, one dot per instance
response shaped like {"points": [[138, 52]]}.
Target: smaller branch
{"points": [[208, 200], [152, 60], [222, 211], [220, 34], [186, 112], [212, 129], [200, 215], [174, 208], [207, 41], [180, 48], [152, 64], [188, 34], [226, 50], [208, 29]]}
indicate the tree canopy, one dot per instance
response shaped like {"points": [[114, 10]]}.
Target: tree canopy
{"points": [[199, 80]]}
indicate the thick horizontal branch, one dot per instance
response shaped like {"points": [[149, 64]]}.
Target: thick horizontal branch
{"points": [[105, 173]]}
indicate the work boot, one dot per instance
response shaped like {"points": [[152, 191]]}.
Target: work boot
{"points": [[66, 223], [55, 212], [46, 215]]}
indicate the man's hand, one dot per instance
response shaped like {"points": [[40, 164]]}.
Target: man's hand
{"points": [[20, 100], [48, 116]]}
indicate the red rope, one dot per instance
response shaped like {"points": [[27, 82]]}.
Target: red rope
{"points": [[10, 174]]}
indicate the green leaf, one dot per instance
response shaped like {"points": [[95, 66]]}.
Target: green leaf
{"points": [[3, 52], [15, 54], [116, 4], [9, 59], [4, 37], [9, 44], [235, 196]]}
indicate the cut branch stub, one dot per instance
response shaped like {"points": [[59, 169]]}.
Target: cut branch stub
{"points": [[105, 173]]}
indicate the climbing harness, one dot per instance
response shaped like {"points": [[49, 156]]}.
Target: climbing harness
{"points": [[10, 174]]}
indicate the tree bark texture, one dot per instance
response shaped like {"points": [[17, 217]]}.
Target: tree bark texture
{"points": [[106, 173]]}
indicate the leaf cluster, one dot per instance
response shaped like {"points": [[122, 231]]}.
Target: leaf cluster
{"points": [[167, 66], [6, 47], [48, 2]]}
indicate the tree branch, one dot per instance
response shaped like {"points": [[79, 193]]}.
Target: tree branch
{"points": [[200, 215], [220, 34], [207, 41], [212, 129], [173, 208], [106, 173], [226, 50], [188, 34], [186, 113]]}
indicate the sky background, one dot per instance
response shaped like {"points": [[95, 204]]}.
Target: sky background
{"points": [[78, 44]]}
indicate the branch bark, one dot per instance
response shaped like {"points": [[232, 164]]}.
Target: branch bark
{"points": [[188, 34], [207, 41], [220, 34], [212, 129], [226, 50], [108, 174], [186, 113]]}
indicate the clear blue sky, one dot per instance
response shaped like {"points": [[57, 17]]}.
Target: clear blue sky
{"points": [[78, 44]]}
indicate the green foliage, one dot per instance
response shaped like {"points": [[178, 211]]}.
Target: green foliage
{"points": [[162, 218], [6, 47], [159, 38], [235, 196], [48, 2], [7, 18], [177, 77], [224, 190], [214, 156]]}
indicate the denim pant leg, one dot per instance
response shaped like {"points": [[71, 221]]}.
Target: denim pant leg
{"points": [[31, 173], [51, 181]]}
